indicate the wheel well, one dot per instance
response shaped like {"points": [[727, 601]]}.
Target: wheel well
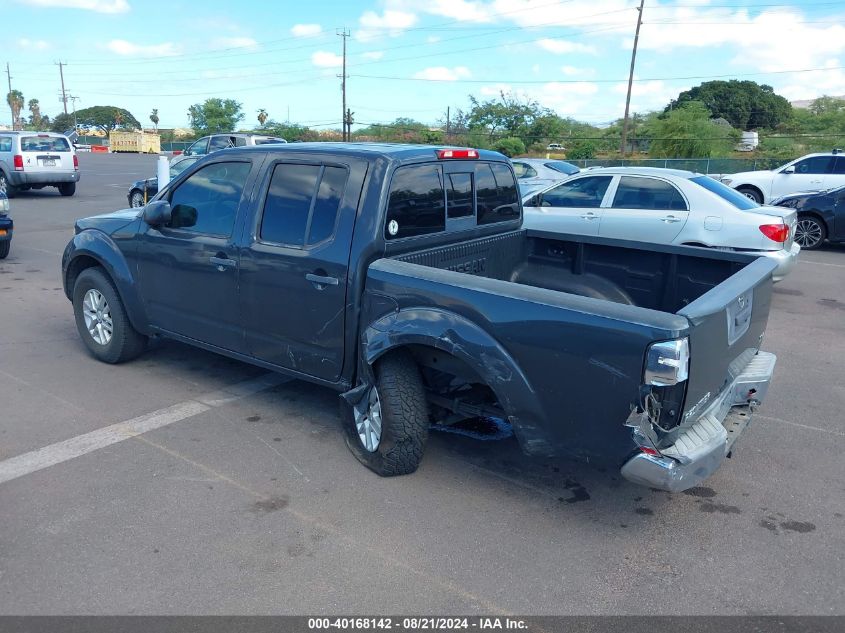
{"points": [[76, 267], [754, 187], [815, 214]]}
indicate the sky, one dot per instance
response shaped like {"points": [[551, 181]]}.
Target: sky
{"points": [[410, 58]]}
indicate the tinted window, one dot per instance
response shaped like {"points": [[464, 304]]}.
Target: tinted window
{"points": [[200, 147], [327, 203], [496, 193], [839, 165], [288, 204], [416, 204], [240, 141], [562, 166], [178, 167], [207, 202], [5, 144], [648, 193], [814, 165], [269, 141], [459, 195], [524, 170], [44, 144], [582, 192], [726, 193], [219, 142]]}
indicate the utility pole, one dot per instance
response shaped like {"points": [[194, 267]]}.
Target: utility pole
{"points": [[9, 77], [448, 112], [64, 95], [631, 78], [73, 101], [344, 34]]}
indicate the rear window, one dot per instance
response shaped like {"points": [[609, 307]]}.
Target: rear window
{"points": [[737, 199], [269, 141], [417, 204], [562, 166], [44, 144]]}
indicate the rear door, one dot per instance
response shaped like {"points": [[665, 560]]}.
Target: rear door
{"points": [[295, 265], [46, 153], [574, 206], [646, 210]]}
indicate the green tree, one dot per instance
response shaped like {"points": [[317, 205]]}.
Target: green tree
{"points": [[289, 131], [506, 116], [215, 115], [746, 105], [689, 132], [826, 105], [15, 101], [510, 146], [106, 119], [581, 150], [62, 123], [262, 117], [35, 118], [154, 118]]}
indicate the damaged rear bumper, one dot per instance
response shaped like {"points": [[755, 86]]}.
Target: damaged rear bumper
{"points": [[699, 451]]}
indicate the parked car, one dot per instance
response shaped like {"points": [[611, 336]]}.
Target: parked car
{"points": [[555, 147], [355, 267], [215, 142], [821, 216], [813, 172], [34, 160], [535, 173], [143, 190], [665, 206], [6, 226]]}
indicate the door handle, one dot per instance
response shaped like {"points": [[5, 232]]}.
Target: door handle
{"points": [[590, 216], [222, 263], [670, 219], [320, 280]]}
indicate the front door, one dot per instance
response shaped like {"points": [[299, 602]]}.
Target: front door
{"points": [[294, 266], [809, 175], [645, 210], [571, 207], [188, 269]]}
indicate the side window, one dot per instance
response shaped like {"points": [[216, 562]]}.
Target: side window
{"points": [[219, 142], [524, 170], [199, 147], [240, 141], [459, 195], [496, 193], [648, 193], [302, 200], [416, 205], [582, 192], [814, 165], [5, 144], [838, 167], [207, 202]]}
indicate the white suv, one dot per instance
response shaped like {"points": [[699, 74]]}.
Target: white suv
{"points": [[33, 160], [813, 172]]}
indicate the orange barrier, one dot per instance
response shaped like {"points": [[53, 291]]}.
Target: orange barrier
{"points": [[99, 148]]}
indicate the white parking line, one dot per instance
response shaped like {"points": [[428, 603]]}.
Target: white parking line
{"points": [[799, 425], [807, 261], [59, 452]]}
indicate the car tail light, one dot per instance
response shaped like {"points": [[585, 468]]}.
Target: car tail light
{"points": [[667, 363], [75, 161], [775, 232], [18, 160], [457, 153]]}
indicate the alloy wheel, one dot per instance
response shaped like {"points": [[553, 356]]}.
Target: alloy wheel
{"points": [[808, 233], [95, 310], [368, 421]]}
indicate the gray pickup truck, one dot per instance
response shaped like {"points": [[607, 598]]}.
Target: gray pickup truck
{"points": [[400, 276]]}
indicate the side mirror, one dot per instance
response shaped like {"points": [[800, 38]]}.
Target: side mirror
{"points": [[157, 213], [789, 170]]}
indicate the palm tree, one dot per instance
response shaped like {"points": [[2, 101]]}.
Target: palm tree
{"points": [[262, 116], [35, 119], [154, 118], [15, 101]]}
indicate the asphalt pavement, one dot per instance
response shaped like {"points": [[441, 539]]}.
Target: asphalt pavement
{"points": [[187, 483]]}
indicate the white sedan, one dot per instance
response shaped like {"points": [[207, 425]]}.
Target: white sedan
{"points": [[664, 206]]}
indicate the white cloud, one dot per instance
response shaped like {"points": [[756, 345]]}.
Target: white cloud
{"points": [[235, 42], [122, 47], [375, 55], [325, 59], [306, 30], [649, 95], [460, 10], [33, 45], [567, 99], [390, 23], [432, 39], [559, 47], [100, 6], [442, 73]]}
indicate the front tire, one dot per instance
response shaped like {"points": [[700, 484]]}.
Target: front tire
{"points": [[751, 192], [810, 232], [6, 187], [388, 429], [67, 188], [136, 200], [102, 321], [5, 246]]}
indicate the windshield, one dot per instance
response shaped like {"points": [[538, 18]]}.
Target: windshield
{"points": [[726, 193], [44, 144], [563, 167], [182, 165]]}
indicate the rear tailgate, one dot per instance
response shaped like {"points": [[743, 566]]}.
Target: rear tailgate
{"points": [[43, 153], [726, 330]]}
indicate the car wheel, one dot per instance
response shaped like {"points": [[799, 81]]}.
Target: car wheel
{"points": [[67, 188], [810, 232], [4, 248], [136, 199], [751, 192], [102, 320], [388, 428], [5, 187]]}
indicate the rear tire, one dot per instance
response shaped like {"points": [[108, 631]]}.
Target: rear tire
{"points": [[4, 248], [102, 321], [751, 192], [810, 232], [402, 418], [67, 188], [136, 199], [6, 187]]}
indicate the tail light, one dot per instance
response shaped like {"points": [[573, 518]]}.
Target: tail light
{"points": [[457, 153], [775, 232], [18, 160], [667, 363], [75, 161]]}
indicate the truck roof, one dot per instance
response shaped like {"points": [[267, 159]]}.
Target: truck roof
{"points": [[396, 151]]}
